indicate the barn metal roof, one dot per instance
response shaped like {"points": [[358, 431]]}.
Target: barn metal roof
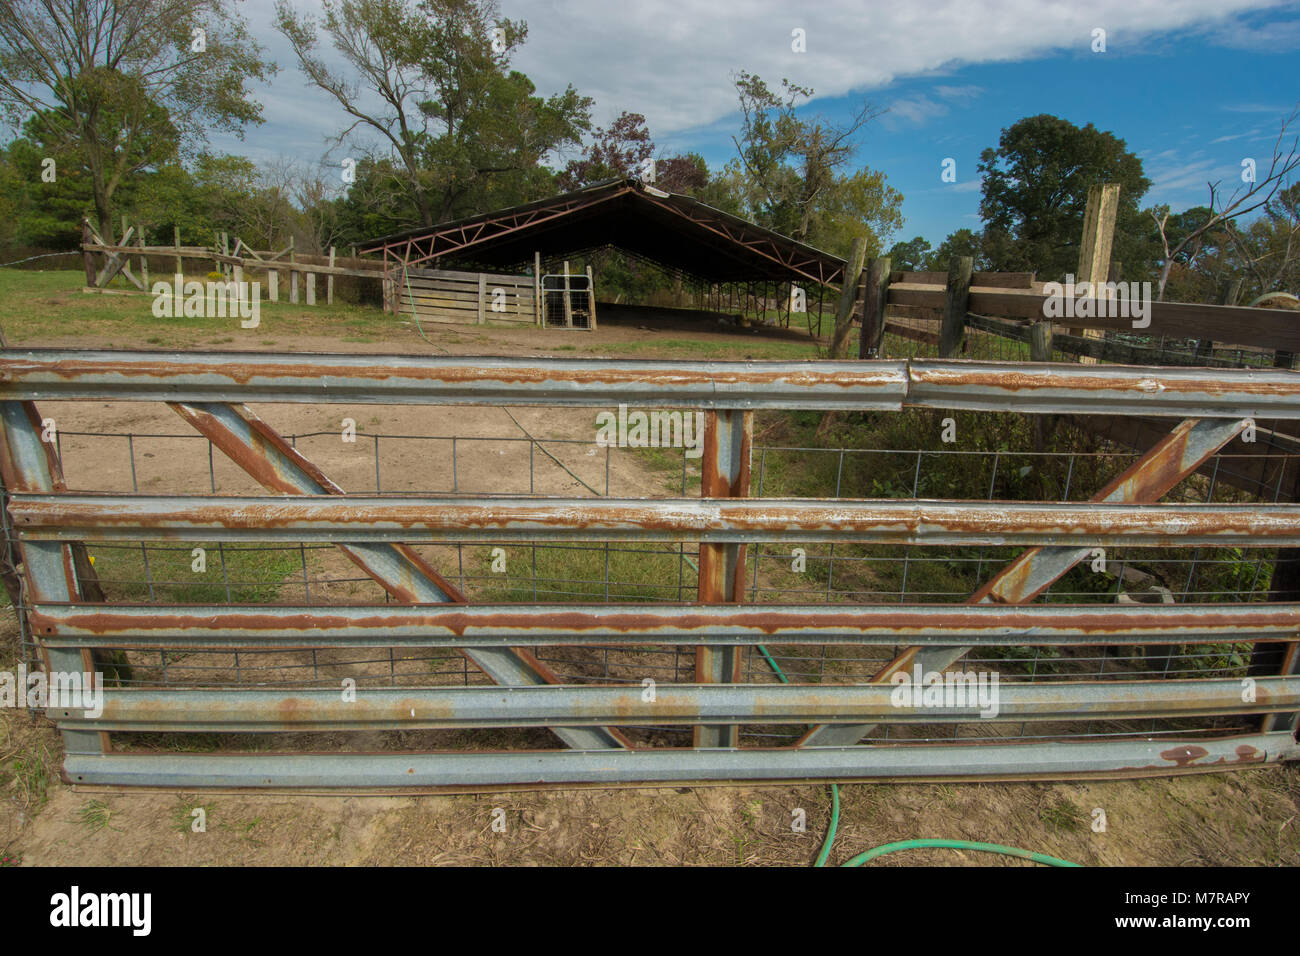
{"points": [[677, 232]]}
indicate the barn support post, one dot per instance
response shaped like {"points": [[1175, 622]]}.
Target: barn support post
{"points": [[568, 304], [538, 310], [728, 442], [482, 297], [591, 300]]}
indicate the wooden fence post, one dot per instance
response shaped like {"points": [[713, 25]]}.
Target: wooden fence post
{"points": [[311, 288], [482, 296], [848, 297], [953, 330], [273, 284], [538, 306], [87, 257], [1229, 295], [1040, 341], [591, 300], [874, 300], [144, 261], [1095, 247], [176, 241], [329, 281]]}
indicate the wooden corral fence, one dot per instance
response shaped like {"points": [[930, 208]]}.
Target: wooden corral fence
{"points": [[473, 298], [106, 261]]}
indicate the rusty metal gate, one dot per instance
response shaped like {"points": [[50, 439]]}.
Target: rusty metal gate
{"points": [[247, 691]]}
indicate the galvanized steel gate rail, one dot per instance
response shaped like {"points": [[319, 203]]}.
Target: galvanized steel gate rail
{"points": [[1207, 408]]}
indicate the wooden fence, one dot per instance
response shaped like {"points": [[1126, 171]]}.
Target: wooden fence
{"points": [[439, 295], [299, 271]]}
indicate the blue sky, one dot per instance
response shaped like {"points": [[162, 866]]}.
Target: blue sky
{"points": [[1192, 86]]}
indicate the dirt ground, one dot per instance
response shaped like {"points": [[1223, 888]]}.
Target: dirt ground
{"points": [[1248, 817]]}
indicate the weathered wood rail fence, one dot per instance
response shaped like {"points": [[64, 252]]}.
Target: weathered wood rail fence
{"points": [[937, 309], [299, 270]]}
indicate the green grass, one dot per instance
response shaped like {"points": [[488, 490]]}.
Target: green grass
{"points": [[256, 574], [41, 305]]}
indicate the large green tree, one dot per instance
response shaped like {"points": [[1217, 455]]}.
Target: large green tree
{"points": [[116, 87], [792, 171], [458, 130], [1035, 190]]}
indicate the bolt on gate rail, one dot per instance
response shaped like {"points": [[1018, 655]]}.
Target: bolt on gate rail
{"points": [[1085, 688]]}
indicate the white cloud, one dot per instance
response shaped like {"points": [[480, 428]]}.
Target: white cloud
{"points": [[673, 60]]}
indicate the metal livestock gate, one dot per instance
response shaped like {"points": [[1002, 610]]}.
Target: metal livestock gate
{"points": [[615, 726]]}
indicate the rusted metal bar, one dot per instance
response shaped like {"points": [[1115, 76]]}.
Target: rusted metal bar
{"points": [[874, 385], [516, 769], [724, 473], [1161, 468], [714, 705], [27, 463], [152, 626], [369, 519], [250, 377], [259, 450]]}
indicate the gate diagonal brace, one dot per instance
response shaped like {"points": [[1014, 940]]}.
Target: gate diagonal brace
{"points": [[1177, 455], [260, 451]]}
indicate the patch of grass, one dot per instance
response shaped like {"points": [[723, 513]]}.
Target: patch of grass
{"points": [[1064, 816], [183, 815], [43, 304], [95, 816], [577, 573], [254, 574]]}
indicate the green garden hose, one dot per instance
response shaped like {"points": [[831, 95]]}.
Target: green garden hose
{"points": [[946, 845]]}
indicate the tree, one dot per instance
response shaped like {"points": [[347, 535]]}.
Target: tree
{"points": [[1035, 190], [792, 166], [910, 256], [962, 242], [459, 130], [114, 87], [616, 152], [1221, 212]]}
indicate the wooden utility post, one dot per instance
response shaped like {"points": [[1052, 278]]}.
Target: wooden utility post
{"points": [[176, 240], [874, 300], [953, 330], [1095, 247]]}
